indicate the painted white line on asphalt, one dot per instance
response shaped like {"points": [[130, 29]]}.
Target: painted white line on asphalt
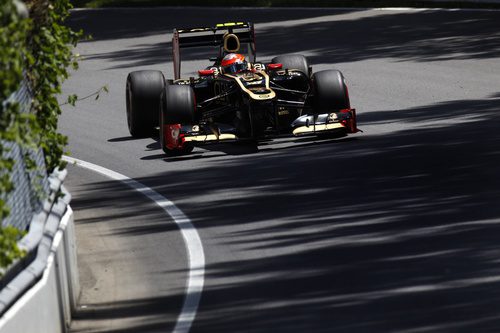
{"points": [[192, 240]]}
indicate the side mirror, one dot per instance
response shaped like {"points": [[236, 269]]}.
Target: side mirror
{"points": [[206, 72], [274, 67]]}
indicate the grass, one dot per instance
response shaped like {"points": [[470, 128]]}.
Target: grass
{"points": [[280, 3]]}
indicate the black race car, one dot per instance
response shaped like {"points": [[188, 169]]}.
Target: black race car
{"points": [[259, 101]]}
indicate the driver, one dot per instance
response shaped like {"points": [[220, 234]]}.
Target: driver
{"points": [[234, 63]]}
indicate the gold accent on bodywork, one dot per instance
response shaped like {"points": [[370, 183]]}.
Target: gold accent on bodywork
{"points": [[227, 39], [209, 137], [257, 97], [317, 128]]}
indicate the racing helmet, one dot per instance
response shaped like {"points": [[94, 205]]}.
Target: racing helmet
{"points": [[234, 63]]}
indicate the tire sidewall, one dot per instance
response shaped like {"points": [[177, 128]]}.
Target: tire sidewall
{"points": [[293, 61], [143, 94], [329, 91], [178, 106]]}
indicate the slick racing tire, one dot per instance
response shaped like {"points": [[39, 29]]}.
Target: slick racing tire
{"points": [[143, 96], [179, 104], [330, 92], [293, 61], [177, 107]]}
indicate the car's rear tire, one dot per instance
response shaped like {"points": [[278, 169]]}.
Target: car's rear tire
{"points": [[178, 107], [330, 92], [293, 61], [143, 92]]}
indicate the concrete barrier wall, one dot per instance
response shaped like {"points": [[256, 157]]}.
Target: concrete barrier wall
{"points": [[47, 306]]}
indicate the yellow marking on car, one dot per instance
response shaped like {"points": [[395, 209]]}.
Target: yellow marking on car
{"points": [[229, 24], [210, 137], [253, 95], [316, 128]]}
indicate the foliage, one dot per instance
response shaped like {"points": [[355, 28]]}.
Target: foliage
{"points": [[50, 45], [8, 243], [72, 99], [12, 123], [37, 49]]}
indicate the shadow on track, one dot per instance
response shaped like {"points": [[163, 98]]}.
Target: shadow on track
{"points": [[123, 138], [388, 233], [338, 36], [111, 24], [244, 148], [154, 308]]}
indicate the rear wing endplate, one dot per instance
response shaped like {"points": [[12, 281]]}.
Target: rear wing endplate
{"points": [[210, 36]]}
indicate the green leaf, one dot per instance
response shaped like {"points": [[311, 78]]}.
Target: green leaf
{"points": [[72, 99]]}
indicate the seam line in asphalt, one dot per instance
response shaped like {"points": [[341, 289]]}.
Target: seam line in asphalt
{"points": [[192, 241]]}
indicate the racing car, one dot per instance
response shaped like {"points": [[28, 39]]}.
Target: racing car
{"points": [[236, 97]]}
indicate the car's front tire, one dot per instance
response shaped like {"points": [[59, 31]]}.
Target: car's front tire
{"points": [[330, 92], [178, 108], [143, 91]]}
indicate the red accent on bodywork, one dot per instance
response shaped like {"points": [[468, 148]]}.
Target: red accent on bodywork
{"points": [[275, 66], [351, 123], [172, 136], [206, 72], [182, 140]]}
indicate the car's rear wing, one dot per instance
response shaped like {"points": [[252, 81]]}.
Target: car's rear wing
{"points": [[226, 35]]}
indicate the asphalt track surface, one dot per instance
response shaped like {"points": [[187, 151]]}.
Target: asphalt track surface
{"points": [[394, 229]]}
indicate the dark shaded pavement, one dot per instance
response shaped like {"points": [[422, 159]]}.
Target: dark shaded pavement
{"points": [[396, 229]]}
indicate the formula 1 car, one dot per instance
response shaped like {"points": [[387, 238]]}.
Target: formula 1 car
{"points": [[255, 101]]}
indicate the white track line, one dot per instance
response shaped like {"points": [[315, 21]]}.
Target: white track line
{"points": [[194, 247]]}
